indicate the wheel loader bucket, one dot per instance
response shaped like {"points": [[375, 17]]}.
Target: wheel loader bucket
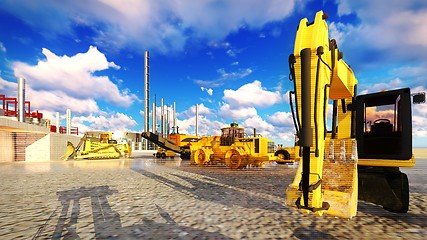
{"points": [[337, 194], [71, 152]]}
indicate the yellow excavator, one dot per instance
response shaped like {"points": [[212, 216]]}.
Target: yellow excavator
{"points": [[97, 145], [370, 137]]}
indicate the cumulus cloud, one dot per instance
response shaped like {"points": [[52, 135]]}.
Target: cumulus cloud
{"points": [[74, 76], [228, 112], [104, 122], [391, 33], [251, 94], [202, 109], [281, 119], [166, 25]]}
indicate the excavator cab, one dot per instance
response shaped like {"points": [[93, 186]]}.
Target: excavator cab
{"points": [[383, 125]]}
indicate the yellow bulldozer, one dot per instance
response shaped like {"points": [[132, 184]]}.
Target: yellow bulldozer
{"points": [[238, 151], [97, 145], [370, 137]]}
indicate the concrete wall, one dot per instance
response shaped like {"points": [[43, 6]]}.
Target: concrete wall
{"points": [[49, 148], [7, 147], [21, 141]]}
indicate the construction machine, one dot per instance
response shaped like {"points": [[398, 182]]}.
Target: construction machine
{"points": [[359, 156], [176, 142], [97, 145], [236, 150]]}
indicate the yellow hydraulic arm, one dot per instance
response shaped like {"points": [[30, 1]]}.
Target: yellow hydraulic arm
{"points": [[326, 180]]}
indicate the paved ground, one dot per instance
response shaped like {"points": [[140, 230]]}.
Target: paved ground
{"points": [[145, 198]]}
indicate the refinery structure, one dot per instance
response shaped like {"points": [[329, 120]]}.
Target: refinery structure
{"points": [[27, 136]]}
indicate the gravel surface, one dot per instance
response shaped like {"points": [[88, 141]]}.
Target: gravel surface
{"points": [[146, 198]]}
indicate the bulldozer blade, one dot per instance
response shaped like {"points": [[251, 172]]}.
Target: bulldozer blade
{"points": [[71, 152], [339, 182]]}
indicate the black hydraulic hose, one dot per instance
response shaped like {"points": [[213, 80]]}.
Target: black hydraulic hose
{"points": [[292, 62], [316, 93], [293, 114], [353, 113], [306, 133]]}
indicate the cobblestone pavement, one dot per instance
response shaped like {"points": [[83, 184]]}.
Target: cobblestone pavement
{"points": [[146, 198]]}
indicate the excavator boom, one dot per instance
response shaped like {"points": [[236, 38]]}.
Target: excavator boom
{"points": [[330, 177]]}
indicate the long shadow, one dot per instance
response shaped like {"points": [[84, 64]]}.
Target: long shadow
{"points": [[409, 218], [208, 191], [107, 223], [274, 180]]}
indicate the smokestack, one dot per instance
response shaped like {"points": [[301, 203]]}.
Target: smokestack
{"points": [[146, 94], [197, 119], [154, 115], [254, 132], [167, 120], [21, 99], [162, 117], [153, 120], [68, 122], [174, 116], [57, 122]]}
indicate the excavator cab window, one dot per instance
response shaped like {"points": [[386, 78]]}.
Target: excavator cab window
{"points": [[384, 125]]}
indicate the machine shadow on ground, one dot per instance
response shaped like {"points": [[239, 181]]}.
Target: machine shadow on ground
{"points": [[276, 178], [107, 223], [215, 192]]}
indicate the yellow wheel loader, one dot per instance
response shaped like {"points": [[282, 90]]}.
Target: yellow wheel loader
{"points": [[238, 151], [359, 156], [97, 145]]}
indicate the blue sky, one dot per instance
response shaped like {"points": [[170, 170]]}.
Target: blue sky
{"points": [[230, 57]]}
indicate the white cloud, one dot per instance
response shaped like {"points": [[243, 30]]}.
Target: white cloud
{"points": [[74, 76], [228, 112], [224, 76], [104, 121], [378, 87], [283, 119], [251, 94], [2, 47], [391, 33], [203, 110], [208, 90], [50, 101], [166, 25], [231, 53]]}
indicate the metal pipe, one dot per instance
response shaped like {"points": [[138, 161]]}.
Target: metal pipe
{"points": [[254, 132], [57, 122], [167, 120], [153, 115], [68, 121], [146, 94], [162, 128], [21, 99], [174, 116]]}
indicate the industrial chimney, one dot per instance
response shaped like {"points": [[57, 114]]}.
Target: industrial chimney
{"points": [[21, 99], [146, 95]]}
